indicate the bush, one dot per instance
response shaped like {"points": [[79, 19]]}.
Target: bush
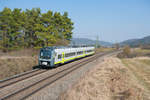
{"points": [[126, 53]]}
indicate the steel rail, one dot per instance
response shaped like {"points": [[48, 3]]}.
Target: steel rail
{"points": [[20, 77], [26, 91]]}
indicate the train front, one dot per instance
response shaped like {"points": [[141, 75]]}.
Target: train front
{"points": [[46, 57]]}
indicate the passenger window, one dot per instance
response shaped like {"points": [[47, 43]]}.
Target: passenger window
{"points": [[89, 51], [80, 52], [59, 56], [70, 54]]}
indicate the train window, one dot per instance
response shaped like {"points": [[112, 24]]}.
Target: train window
{"points": [[69, 54], [79, 52], [89, 51], [59, 56]]}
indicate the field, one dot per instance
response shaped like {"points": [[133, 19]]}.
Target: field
{"points": [[140, 67], [103, 49], [141, 52], [113, 79]]}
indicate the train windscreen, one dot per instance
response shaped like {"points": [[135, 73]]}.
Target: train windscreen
{"points": [[45, 54]]}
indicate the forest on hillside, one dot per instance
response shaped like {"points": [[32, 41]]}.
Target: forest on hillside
{"points": [[31, 28]]}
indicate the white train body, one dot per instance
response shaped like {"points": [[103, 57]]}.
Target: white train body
{"points": [[63, 55]]}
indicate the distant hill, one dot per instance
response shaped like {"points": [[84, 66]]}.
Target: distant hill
{"points": [[136, 42], [80, 41]]}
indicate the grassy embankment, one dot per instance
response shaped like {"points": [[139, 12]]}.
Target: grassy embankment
{"points": [[114, 79], [141, 70], [140, 66], [109, 80], [16, 62]]}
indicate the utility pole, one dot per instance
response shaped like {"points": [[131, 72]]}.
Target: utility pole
{"points": [[97, 41]]}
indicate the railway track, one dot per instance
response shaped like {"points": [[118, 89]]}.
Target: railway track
{"points": [[20, 77], [28, 90]]}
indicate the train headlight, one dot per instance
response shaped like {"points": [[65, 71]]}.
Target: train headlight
{"points": [[44, 63]]}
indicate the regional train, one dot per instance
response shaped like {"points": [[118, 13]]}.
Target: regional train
{"points": [[52, 56]]}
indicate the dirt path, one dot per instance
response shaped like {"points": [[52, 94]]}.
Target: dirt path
{"points": [[110, 80]]}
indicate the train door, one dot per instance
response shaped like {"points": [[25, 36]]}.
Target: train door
{"points": [[63, 57], [52, 58]]}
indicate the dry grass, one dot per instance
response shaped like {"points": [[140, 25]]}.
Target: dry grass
{"points": [[139, 50], [110, 80], [22, 52], [136, 52], [141, 69], [12, 66], [15, 62], [102, 49]]}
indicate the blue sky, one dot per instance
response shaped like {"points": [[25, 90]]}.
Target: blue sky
{"points": [[111, 20]]}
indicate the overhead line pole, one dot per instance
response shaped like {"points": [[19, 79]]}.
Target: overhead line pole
{"points": [[97, 41]]}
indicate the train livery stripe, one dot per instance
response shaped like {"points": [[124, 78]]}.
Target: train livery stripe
{"points": [[84, 53], [63, 60]]}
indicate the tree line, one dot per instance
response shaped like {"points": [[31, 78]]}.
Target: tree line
{"points": [[31, 28]]}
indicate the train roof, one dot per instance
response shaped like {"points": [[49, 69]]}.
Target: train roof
{"points": [[61, 47], [64, 47]]}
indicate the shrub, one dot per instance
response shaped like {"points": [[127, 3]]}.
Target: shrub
{"points": [[126, 53]]}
